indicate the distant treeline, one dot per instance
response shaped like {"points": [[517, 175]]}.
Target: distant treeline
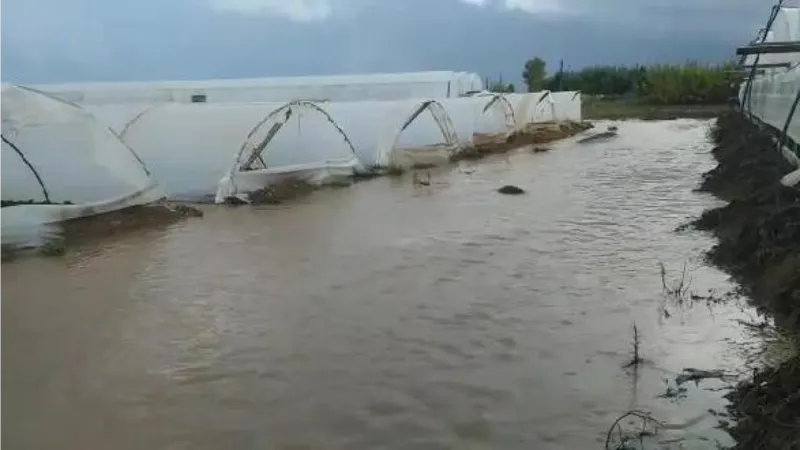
{"points": [[665, 84]]}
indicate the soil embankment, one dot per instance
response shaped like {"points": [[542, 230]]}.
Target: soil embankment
{"points": [[76, 232], [531, 134], [759, 244]]}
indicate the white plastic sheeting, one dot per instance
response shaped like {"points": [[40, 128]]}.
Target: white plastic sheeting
{"points": [[566, 105], [389, 86], [197, 150], [55, 152], [379, 131], [480, 117], [533, 107], [771, 101], [118, 116], [785, 28]]}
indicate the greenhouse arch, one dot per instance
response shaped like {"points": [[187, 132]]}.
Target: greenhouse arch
{"points": [[30, 166], [133, 121], [257, 141], [440, 116], [81, 168], [511, 120]]}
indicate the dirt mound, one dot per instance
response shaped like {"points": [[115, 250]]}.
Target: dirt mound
{"points": [[75, 232], [758, 234], [531, 134], [124, 221], [766, 412], [759, 230], [278, 193]]}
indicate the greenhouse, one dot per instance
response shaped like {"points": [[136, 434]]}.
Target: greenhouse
{"points": [[403, 133], [481, 118], [381, 86], [221, 150], [783, 27], [567, 105], [59, 163], [542, 107], [772, 98]]}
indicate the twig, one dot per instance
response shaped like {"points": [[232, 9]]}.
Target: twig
{"points": [[644, 416], [636, 360]]}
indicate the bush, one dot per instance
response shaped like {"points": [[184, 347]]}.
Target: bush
{"points": [[680, 84], [689, 84]]}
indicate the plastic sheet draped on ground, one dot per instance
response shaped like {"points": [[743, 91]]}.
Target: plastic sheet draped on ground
{"points": [[196, 150], [63, 162], [382, 86]]}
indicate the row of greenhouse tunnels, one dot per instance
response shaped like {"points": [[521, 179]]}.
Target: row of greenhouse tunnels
{"points": [[76, 151]]}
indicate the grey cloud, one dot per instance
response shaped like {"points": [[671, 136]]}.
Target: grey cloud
{"points": [[171, 39]]}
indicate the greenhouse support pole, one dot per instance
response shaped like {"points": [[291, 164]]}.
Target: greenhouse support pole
{"points": [[30, 166], [748, 88]]}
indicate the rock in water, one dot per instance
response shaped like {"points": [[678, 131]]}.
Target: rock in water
{"points": [[510, 190]]}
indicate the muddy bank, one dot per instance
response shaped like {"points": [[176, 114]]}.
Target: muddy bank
{"points": [[531, 134], [758, 234], [60, 237]]}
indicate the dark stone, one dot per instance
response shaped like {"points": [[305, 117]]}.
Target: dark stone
{"points": [[598, 137], [234, 201], [510, 190]]}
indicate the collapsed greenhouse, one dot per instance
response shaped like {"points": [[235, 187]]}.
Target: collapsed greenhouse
{"points": [[380, 86], [60, 164]]}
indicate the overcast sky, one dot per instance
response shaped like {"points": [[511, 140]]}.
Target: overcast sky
{"points": [[105, 40]]}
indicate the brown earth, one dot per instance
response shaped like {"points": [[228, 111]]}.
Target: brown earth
{"points": [[531, 134]]}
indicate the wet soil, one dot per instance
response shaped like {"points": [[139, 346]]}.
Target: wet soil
{"points": [[758, 234], [278, 193], [531, 134]]}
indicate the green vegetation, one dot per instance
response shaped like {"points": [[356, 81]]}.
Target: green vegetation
{"points": [[503, 88], [683, 84]]}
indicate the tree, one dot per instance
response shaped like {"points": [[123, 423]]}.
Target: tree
{"points": [[534, 74], [501, 87]]}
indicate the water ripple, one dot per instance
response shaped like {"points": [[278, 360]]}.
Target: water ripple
{"points": [[380, 316]]}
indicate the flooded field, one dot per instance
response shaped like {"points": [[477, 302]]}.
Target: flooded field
{"points": [[387, 315]]}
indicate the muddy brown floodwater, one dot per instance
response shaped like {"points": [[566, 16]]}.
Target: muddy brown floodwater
{"points": [[384, 315]]}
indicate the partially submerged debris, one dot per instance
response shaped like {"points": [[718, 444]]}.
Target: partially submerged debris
{"points": [[696, 375], [607, 135], [419, 180]]}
